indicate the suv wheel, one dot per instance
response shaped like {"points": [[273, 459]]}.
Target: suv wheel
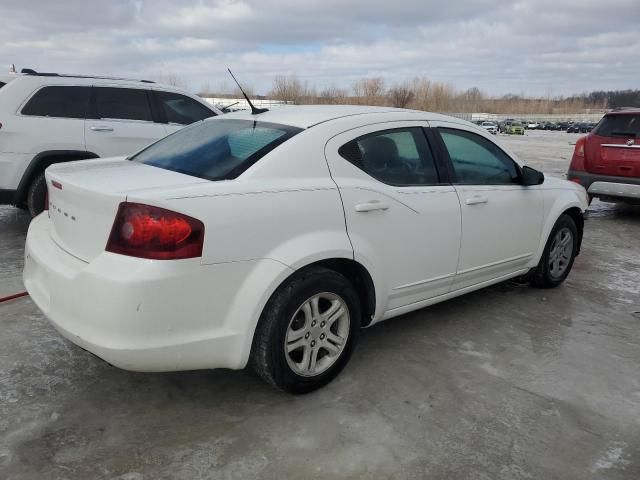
{"points": [[37, 195], [307, 331], [558, 256]]}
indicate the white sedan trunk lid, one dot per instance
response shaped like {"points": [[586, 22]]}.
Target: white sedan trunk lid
{"points": [[84, 197]]}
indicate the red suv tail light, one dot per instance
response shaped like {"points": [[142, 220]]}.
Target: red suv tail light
{"points": [[151, 232], [577, 161]]}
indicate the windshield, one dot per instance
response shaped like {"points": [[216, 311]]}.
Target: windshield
{"points": [[219, 149], [625, 125]]}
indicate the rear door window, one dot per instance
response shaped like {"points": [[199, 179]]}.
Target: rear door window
{"points": [[121, 103], [624, 125], [59, 101], [181, 109], [399, 157], [217, 149]]}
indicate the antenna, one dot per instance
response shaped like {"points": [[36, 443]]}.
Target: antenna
{"points": [[254, 110]]}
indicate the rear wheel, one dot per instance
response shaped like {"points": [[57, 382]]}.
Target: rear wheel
{"points": [[37, 195], [307, 331], [559, 254]]}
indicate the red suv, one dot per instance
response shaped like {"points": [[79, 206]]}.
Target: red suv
{"points": [[607, 161]]}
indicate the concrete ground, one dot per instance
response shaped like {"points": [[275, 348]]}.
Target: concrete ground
{"points": [[506, 383]]}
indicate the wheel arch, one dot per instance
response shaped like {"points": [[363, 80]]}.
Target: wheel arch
{"points": [[576, 214], [354, 271], [40, 162], [574, 209], [359, 277]]}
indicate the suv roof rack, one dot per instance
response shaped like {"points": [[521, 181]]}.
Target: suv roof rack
{"points": [[30, 71]]}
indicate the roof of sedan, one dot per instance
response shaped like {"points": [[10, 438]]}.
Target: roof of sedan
{"points": [[305, 116]]}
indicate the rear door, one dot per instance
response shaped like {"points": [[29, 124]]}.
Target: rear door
{"points": [[120, 121], [613, 148], [501, 218], [403, 218]]}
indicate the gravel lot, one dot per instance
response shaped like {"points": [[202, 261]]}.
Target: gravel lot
{"points": [[506, 383]]}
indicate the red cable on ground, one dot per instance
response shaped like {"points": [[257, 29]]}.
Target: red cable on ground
{"points": [[11, 297]]}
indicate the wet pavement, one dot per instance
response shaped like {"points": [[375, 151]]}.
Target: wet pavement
{"points": [[509, 382]]}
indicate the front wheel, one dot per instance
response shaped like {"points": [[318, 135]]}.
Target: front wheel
{"points": [[307, 331], [559, 254]]}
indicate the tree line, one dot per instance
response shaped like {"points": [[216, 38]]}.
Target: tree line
{"points": [[422, 93]]}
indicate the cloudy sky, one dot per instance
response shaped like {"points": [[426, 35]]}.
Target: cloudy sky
{"points": [[536, 47]]}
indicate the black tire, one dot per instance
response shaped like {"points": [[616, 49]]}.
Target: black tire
{"points": [[543, 276], [268, 356], [37, 195]]}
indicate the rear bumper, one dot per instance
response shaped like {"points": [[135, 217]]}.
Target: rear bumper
{"points": [[608, 186], [146, 315]]}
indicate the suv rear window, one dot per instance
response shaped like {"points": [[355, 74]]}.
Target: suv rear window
{"points": [[59, 101], [623, 125], [217, 149], [182, 109]]}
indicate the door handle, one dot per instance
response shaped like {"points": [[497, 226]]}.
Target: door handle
{"points": [[476, 200], [102, 129], [371, 206]]}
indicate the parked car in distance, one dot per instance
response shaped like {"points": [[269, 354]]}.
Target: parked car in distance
{"points": [[51, 118], [551, 126], [607, 161], [578, 128], [504, 125], [270, 239], [532, 125], [563, 125], [515, 128], [490, 127]]}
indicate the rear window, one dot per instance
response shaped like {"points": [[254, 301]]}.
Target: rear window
{"points": [[216, 150], [619, 126], [181, 109], [59, 101]]}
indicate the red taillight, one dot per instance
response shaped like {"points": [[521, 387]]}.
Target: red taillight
{"points": [[577, 161], [579, 150], [151, 232]]}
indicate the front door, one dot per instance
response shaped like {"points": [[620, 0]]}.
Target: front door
{"points": [[501, 218]]}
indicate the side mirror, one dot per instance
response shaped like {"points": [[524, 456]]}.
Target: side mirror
{"points": [[531, 176]]}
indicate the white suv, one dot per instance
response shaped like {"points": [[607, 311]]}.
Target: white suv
{"points": [[48, 118]]}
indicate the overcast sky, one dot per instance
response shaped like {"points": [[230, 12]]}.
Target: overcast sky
{"points": [[537, 47]]}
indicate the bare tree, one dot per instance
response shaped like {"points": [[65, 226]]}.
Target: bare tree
{"points": [[400, 95], [172, 79], [287, 89], [333, 95], [369, 91]]}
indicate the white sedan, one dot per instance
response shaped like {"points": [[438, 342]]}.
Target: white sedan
{"points": [[490, 127], [271, 239]]}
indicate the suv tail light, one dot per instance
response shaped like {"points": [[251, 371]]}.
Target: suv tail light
{"points": [[151, 232], [577, 161]]}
